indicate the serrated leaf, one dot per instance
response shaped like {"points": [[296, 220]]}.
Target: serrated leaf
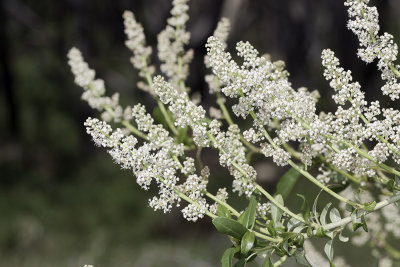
{"points": [[227, 257], [334, 215], [230, 227], [249, 215], [324, 213], [302, 259], [287, 182], [305, 207], [276, 213], [328, 249], [369, 206], [247, 242], [222, 211]]}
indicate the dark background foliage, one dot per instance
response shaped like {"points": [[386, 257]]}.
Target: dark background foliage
{"points": [[62, 200]]}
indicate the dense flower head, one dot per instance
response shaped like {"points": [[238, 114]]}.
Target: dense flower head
{"points": [[136, 42], [94, 89], [171, 45], [364, 23]]}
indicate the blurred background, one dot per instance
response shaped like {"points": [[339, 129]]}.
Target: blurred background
{"points": [[62, 200]]}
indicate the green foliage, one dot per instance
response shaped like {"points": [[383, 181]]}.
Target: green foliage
{"points": [[287, 182], [247, 219], [229, 227]]}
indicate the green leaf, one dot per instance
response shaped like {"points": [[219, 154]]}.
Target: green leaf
{"points": [[315, 206], [301, 258], [364, 223], [369, 206], [240, 263], [349, 207], [343, 238], [159, 117], [227, 257], [305, 207], [247, 242], [355, 221], [321, 233], [182, 135], [390, 185], [271, 229], [324, 213], [230, 227], [328, 249], [268, 263], [334, 215], [276, 212], [222, 211], [299, 240], [249, 215], [356, 225], [287, 182]]}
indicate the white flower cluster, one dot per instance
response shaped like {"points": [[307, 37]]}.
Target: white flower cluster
{"points": [[263, 90], [222, 195], [359, 123], [136, 42], [365, 24], [221, 32], [341, 81], [232, 151], [232, 155], [94, 89], [171, 41], [155, 160], [185, 111]]}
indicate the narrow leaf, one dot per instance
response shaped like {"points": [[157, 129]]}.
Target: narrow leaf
{"points": [[287, 182], [247, 242], [328, 249], [276, 212], [343, 238], [315, 206], [324, 213], [321, 233], [305, 207], [301, 258], [390, 185], [364, 223], [229, 227], [249, 214], [369, 206], [240, 263], [222, 211], [268, 263], [227, 257], [334, 215]]}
